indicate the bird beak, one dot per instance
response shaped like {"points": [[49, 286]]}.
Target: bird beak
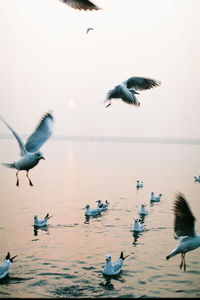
{"points": [[42, 158]]}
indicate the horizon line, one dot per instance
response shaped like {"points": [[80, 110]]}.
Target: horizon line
{"points": [[129, 139]]}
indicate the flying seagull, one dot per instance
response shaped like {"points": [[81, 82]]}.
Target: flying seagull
{"points": [[6, 265], [88, 29], [184, 229], [30, 151], [81, 4], [127, 90]]}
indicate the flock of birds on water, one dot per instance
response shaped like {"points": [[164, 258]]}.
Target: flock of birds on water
{"points": [[184, 220]]}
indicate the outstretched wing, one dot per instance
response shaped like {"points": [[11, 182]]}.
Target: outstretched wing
{"points": [[41, 134], [81, 4], [141, 83], [184, 219], [20, 142]]}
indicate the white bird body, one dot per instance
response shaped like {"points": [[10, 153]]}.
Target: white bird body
{"points": [[184, 229], [4, 268], [27, 162], [197, 179], [102, 206], [155, 198], [139, 184], [143, 210], [92, 211], [41, 223], [127, 90], [113, 268], [185, 244], [81, 4], [6, 265], [138, 226], [30, 151]]}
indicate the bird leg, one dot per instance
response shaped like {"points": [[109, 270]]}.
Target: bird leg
{"points": [[17, 183], [184, 262], [29, 179], [181, 261]]}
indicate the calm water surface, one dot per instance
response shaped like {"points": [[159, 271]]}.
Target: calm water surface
{"points": [[67, 258]]}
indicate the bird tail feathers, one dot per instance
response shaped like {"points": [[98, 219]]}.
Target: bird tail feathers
{"points": [[8, 165], [122, 256]]}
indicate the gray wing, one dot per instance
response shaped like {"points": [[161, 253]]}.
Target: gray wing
{"points": [[184, 219], [20, 142], [41, 134], [81, 4], [141, 83], [117, 265], [121, 92]]}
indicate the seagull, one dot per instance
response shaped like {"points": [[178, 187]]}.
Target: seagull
{"points": [[30, 151], [138, 226], [6, 265], [81, 4], [139, 184], [113, 268], [101, 205], [153, 198], [143, 210], [92, 211], [89, 28], [184, 229], [127, 90], [43, 222], [197, 179]]}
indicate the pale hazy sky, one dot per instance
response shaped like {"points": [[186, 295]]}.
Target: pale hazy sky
{"points": [[48, 62]]}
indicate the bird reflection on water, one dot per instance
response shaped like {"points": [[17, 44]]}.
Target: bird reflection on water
{"points": [[36, 229], [87, 219], [107, 284]]}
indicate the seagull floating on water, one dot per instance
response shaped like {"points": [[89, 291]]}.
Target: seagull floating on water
{"points": [[81, 4], [102, 206], [138, 226], [6, 265], [43, 222], [92, 211], [143, 210], [30, 151], [127, 90], [197, 179], [184, 229], [154, 198], [139, 184], [113, 268], [89, 28]]}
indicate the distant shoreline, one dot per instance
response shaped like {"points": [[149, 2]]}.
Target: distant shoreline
{"points": [[118, 139]]}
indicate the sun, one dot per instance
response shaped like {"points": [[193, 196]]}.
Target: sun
{"points": [[71, 103]]}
